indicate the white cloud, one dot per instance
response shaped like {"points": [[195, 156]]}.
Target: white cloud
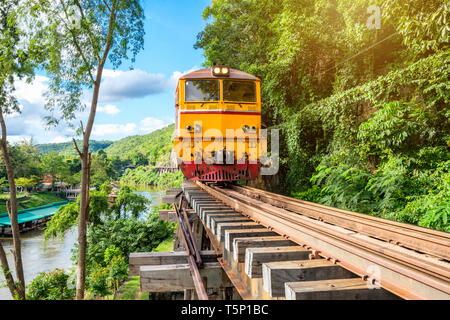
{"points": [[150, 124], [109, 109], [177, 74], [16, 138], [116, 86], [120, 85], [60, 139], [113, 129], [30, 121], [32, 92]]}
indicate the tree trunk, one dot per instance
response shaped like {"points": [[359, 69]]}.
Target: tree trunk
{"points": [[84, 193], [82, 224], [11, 206], [86, 165], [6, 272]]}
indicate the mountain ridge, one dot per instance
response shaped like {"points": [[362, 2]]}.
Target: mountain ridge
{"points": [[154, 146]]}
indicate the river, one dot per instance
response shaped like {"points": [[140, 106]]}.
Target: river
{"points": [[39, 256]]}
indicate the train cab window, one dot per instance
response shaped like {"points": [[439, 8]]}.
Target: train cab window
{"points": [[242, 91], [202, 90]]}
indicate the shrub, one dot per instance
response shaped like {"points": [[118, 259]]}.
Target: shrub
{"points": [[53, 285]]}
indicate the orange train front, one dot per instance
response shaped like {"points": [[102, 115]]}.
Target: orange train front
{"points": [[217, 127]]}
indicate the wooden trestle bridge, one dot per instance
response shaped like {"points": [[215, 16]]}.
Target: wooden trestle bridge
{"points": [[244, 243]]}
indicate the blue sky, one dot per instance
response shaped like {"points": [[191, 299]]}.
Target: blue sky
{"points": [[131, 102]]}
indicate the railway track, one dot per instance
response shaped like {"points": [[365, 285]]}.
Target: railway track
{"points": [[408, 261]]}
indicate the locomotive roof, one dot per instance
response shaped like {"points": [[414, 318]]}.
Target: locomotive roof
{"points": [[206, 73]]}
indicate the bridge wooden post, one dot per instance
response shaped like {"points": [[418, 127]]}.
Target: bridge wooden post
{"points": [[336, 289], [276, 274]]}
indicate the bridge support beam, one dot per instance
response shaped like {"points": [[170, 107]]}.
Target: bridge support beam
{"points": [[210, 216], [225, 226], [208, 212], [255, 257], [276, 274], [241, 244], [336, 289], [215, 221], [177, 277], [139, 259]]}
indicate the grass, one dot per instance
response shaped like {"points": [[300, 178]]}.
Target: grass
{"points": [[130, 289], [165, 246], [36, 199], [5, 195]]}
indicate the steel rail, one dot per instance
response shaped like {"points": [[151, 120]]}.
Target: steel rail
{"points": [[257, 193], [432, 266], [198, 258], [351, 253], [425, 240], [190, 249], [252, 191], [237, 283]]}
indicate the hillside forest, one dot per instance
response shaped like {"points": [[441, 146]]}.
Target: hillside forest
{"points": [[130, 160]]}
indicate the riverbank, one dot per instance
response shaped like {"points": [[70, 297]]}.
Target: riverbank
{"points": [[31, 200], [39, 255], [151, 177]]}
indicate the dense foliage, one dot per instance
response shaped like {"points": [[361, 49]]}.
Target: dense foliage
{"points": [[53, 285], [68, 148], [152, 177], [127, 234], [110, 244], [114, 232], [364, 112]]}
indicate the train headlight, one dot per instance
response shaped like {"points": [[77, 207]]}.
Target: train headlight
{"points": [[245, 128], [220, 71], [188, 128], [197, 128]]}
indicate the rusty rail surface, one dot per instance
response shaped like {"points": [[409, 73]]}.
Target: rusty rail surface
{"points": [[425, 240], [194, 258], [362, 244]]}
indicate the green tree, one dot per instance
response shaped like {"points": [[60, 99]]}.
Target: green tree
{"points": [[98, 281], [25, 159], [77, 56], [423, 25], [25, 183], [67, 216], [101, 169], [127, 234], [3, 182], [364, 112], [53, 165], [117, 267], [129, 202], [19, 53], [62, 220], [137, 158]]}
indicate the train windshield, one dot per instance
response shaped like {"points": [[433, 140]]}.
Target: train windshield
{"points": [[202, 90], [242, 91]]}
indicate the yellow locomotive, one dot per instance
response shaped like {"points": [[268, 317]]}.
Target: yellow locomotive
{"points": [[217, 126]]}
